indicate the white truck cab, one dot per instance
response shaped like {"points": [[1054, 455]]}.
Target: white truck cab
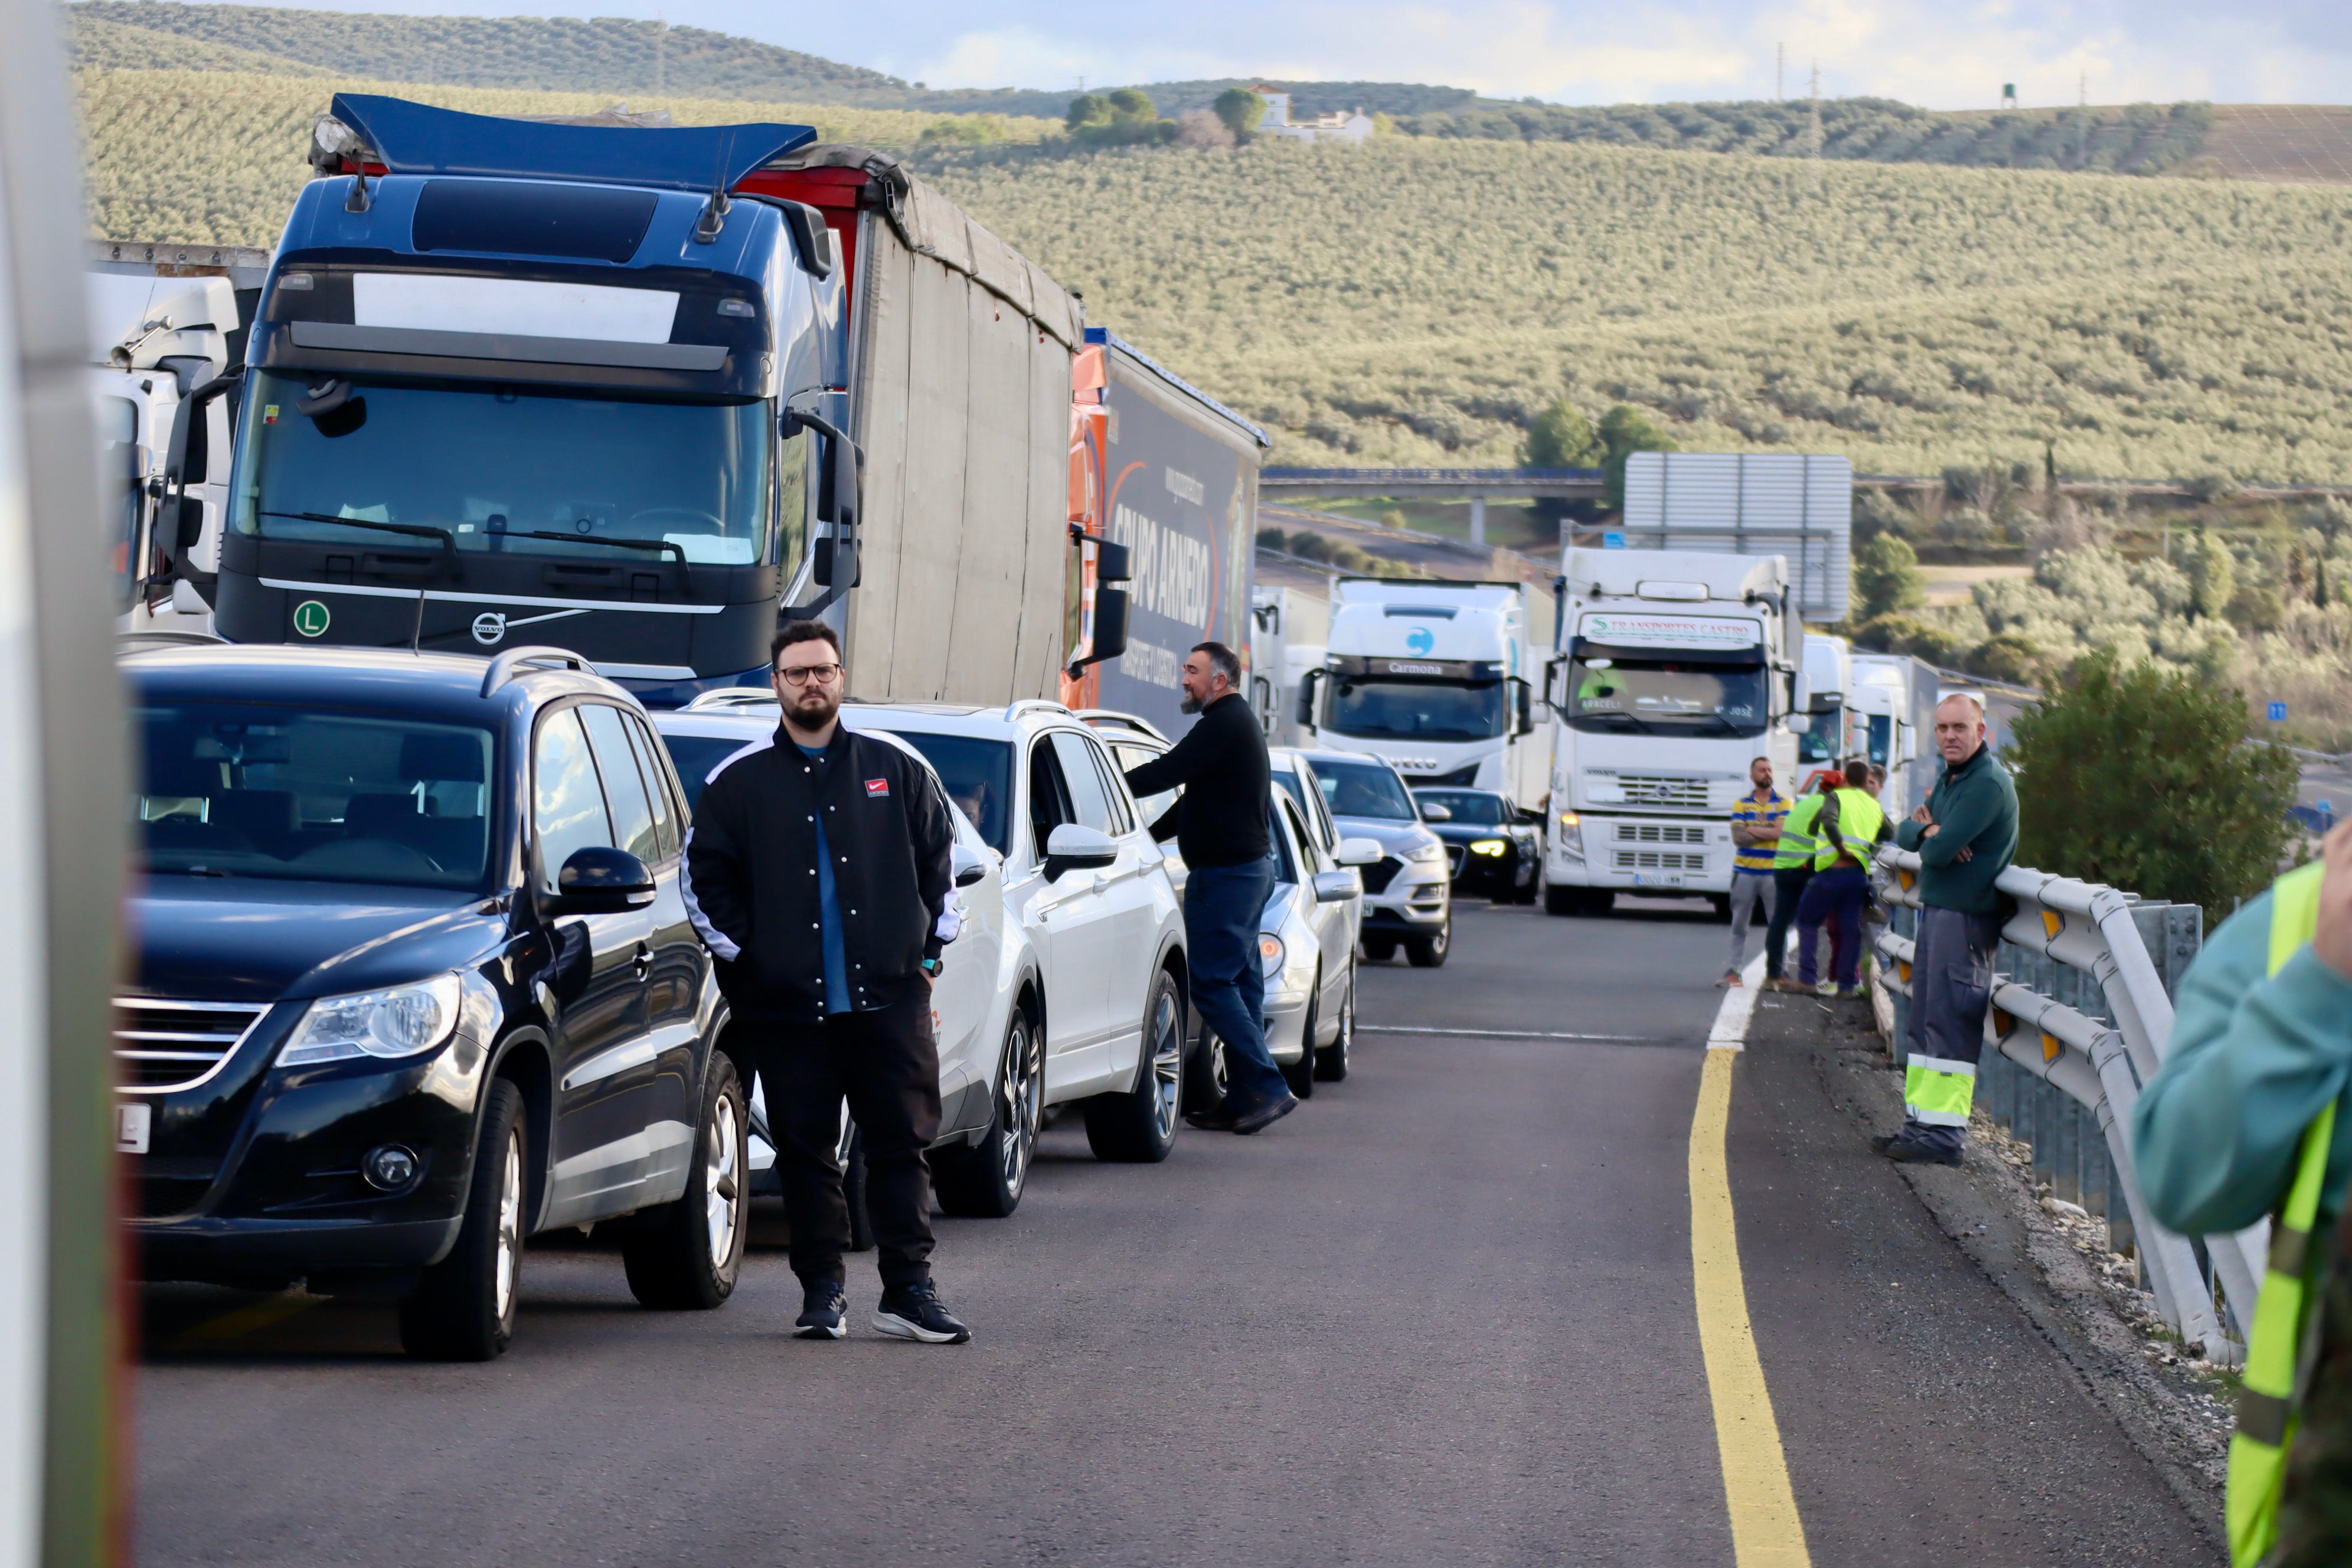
{"points": [[1891, 719], [1822, 739], [1439, 679], [1680, 667]]}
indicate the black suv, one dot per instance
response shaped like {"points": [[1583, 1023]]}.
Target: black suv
{"points": [[415, 979]]}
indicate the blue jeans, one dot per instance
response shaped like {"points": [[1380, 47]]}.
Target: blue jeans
{"points": [[1834, 896], [1222, 906]]}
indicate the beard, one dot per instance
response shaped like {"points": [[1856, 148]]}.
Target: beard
{"points": [[813, 709], [1190, 704]]}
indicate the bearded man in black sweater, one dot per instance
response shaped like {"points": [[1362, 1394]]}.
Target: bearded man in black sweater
{"points": [[1221, 827]]}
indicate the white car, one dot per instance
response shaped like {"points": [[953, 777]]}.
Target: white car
{"points": [[1407, 891], [1077, 993], [1306, 933]]}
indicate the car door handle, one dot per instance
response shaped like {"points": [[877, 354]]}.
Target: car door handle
{"points": [[644, 962]]}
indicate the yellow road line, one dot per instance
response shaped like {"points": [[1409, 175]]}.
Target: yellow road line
{"points": [[242, 1321], [1765, 1530]]}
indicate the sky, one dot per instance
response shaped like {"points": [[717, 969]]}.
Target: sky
{"points": [[1956, 54]]}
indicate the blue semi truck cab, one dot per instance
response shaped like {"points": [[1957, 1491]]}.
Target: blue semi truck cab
{"points": [[515, 382]]}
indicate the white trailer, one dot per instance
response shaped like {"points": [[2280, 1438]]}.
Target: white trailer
{"points": [[1679, 669], [1441, 678]]}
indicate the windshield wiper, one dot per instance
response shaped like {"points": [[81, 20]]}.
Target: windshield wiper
{"points": [[1635, 719], [654, 544], [413, 530]]}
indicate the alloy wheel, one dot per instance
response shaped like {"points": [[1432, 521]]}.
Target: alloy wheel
{"points": [[1024, 1103], [509, 1240], [721, 1208], [1167, 1043]]}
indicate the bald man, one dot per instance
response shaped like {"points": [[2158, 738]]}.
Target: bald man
{"points": [[1966, 836]]}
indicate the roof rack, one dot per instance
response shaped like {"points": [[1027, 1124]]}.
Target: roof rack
{"points": [[514, 661], [732, 697], [1012, 709], [1124, 720]]}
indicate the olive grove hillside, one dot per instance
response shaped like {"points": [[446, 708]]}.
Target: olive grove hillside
{"points": [[216, 156], [1416, 300]]}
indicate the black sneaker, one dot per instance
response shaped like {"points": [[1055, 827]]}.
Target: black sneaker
{"points": [[1264, 1114], [824, 1308], [913, 1312], [1911, 1151], [1218, 1120]]}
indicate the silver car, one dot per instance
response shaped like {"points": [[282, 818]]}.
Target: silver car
{"points": [[1408, 890]]}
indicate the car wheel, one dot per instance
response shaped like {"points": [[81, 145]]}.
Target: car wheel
{"points": [[1301, 1075], [464, 1308], [1429, 951], [1207, 1074], [1379, 949], [1138, 1126], [690, 1257], [1331, 1060], [985, 1180]]}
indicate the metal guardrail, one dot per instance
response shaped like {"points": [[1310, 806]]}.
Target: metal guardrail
{"points": [[2082, 1017]]}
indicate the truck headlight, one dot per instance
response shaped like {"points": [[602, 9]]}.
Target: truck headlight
{"points": [[1490, 846], [1269, 953], [1427, 854], [398, 1022], [1571, 835]]}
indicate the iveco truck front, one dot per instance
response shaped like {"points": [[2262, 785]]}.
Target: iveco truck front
{"points": [[1680, 670], [526, 382]]}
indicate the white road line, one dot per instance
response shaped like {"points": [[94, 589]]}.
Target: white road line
{"points": [[1730, 1031], [1496, 1033]]}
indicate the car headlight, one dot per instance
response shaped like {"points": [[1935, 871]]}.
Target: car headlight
{"points": [[1571, 835], [398, 1022], [1425, 855], [1269, 953], [1490, 846]]}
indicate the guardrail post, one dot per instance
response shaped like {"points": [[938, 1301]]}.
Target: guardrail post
{"points": [[1904, 921]]}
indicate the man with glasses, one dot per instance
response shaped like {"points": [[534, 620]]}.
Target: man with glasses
{"points": [[818, 871]]}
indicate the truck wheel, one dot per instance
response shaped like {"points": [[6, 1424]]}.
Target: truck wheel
{"points": [[689, 1257], [1138, 1126], [1429, 951], [1558, 900], [463, 1310], [1331, 1060], [985, 1180], [1379, 949], [1600, 901], [1301, 1075]]}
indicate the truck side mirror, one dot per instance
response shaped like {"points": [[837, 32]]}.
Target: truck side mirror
{"points": [[834, 561], [1113, 563], [1524, 695], [179, 523], [1110, 624], [1306, 697]]}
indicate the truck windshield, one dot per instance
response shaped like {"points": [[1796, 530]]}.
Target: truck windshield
{"points": [[498, 467], [1418, 709], [1662, 696], [252, 789], [1882, 737], [1364, 789]]}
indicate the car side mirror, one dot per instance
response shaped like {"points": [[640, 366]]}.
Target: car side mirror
{"points": [[968, 867], [1433, 812], [1358, 852], [1076, 848], [1337, 886], [601, 880]]}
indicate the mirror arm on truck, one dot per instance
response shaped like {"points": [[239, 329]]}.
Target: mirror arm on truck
{"points": [[1113, 564], [834, 559]]}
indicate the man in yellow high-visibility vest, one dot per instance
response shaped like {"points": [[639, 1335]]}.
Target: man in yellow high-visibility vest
{"points": [[2246, 1119]]}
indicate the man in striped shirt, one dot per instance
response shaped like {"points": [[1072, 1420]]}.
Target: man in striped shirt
{"points": [[1756, 821]]}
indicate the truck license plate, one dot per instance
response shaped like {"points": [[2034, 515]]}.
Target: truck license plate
{"points": [[131, 1126], [1656, 879]]}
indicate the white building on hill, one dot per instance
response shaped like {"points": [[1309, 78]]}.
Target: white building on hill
{"points": [[1352, 127]]}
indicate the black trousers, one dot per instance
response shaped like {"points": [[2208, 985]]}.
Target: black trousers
{"points": [[887, 1064], [1788, 887]]}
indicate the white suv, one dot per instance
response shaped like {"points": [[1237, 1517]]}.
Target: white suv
{"points": [[1076, 988]]}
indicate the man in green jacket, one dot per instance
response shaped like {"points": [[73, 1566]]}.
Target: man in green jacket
{"points": [[2259, 1051], [1965, 836]]}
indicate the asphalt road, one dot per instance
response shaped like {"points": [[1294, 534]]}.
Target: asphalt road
{"points": [[1442, 1314]]}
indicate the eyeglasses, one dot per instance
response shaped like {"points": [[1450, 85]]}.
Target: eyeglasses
{"points": [[802, 674]]}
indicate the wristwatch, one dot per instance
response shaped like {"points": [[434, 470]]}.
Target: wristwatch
{"points": [[932, 966]]}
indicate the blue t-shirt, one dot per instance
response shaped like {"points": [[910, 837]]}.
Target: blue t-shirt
{"points": [[837, 951]]}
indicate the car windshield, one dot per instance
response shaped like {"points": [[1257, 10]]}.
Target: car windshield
{"points": [[1471, 807], [1665, 696], [1364, 789], [495, 468], [253, 789], [978, 773], [1417, 710]]}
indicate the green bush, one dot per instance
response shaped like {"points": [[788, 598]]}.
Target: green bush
{"points": [[2140, 776], [1886, 578], [1111, 119]]}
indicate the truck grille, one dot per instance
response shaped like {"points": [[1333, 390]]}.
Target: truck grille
{"points": [[1381, 873], [1660, 861], [1664, 789], [170, 1045], [1661, 833]]}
